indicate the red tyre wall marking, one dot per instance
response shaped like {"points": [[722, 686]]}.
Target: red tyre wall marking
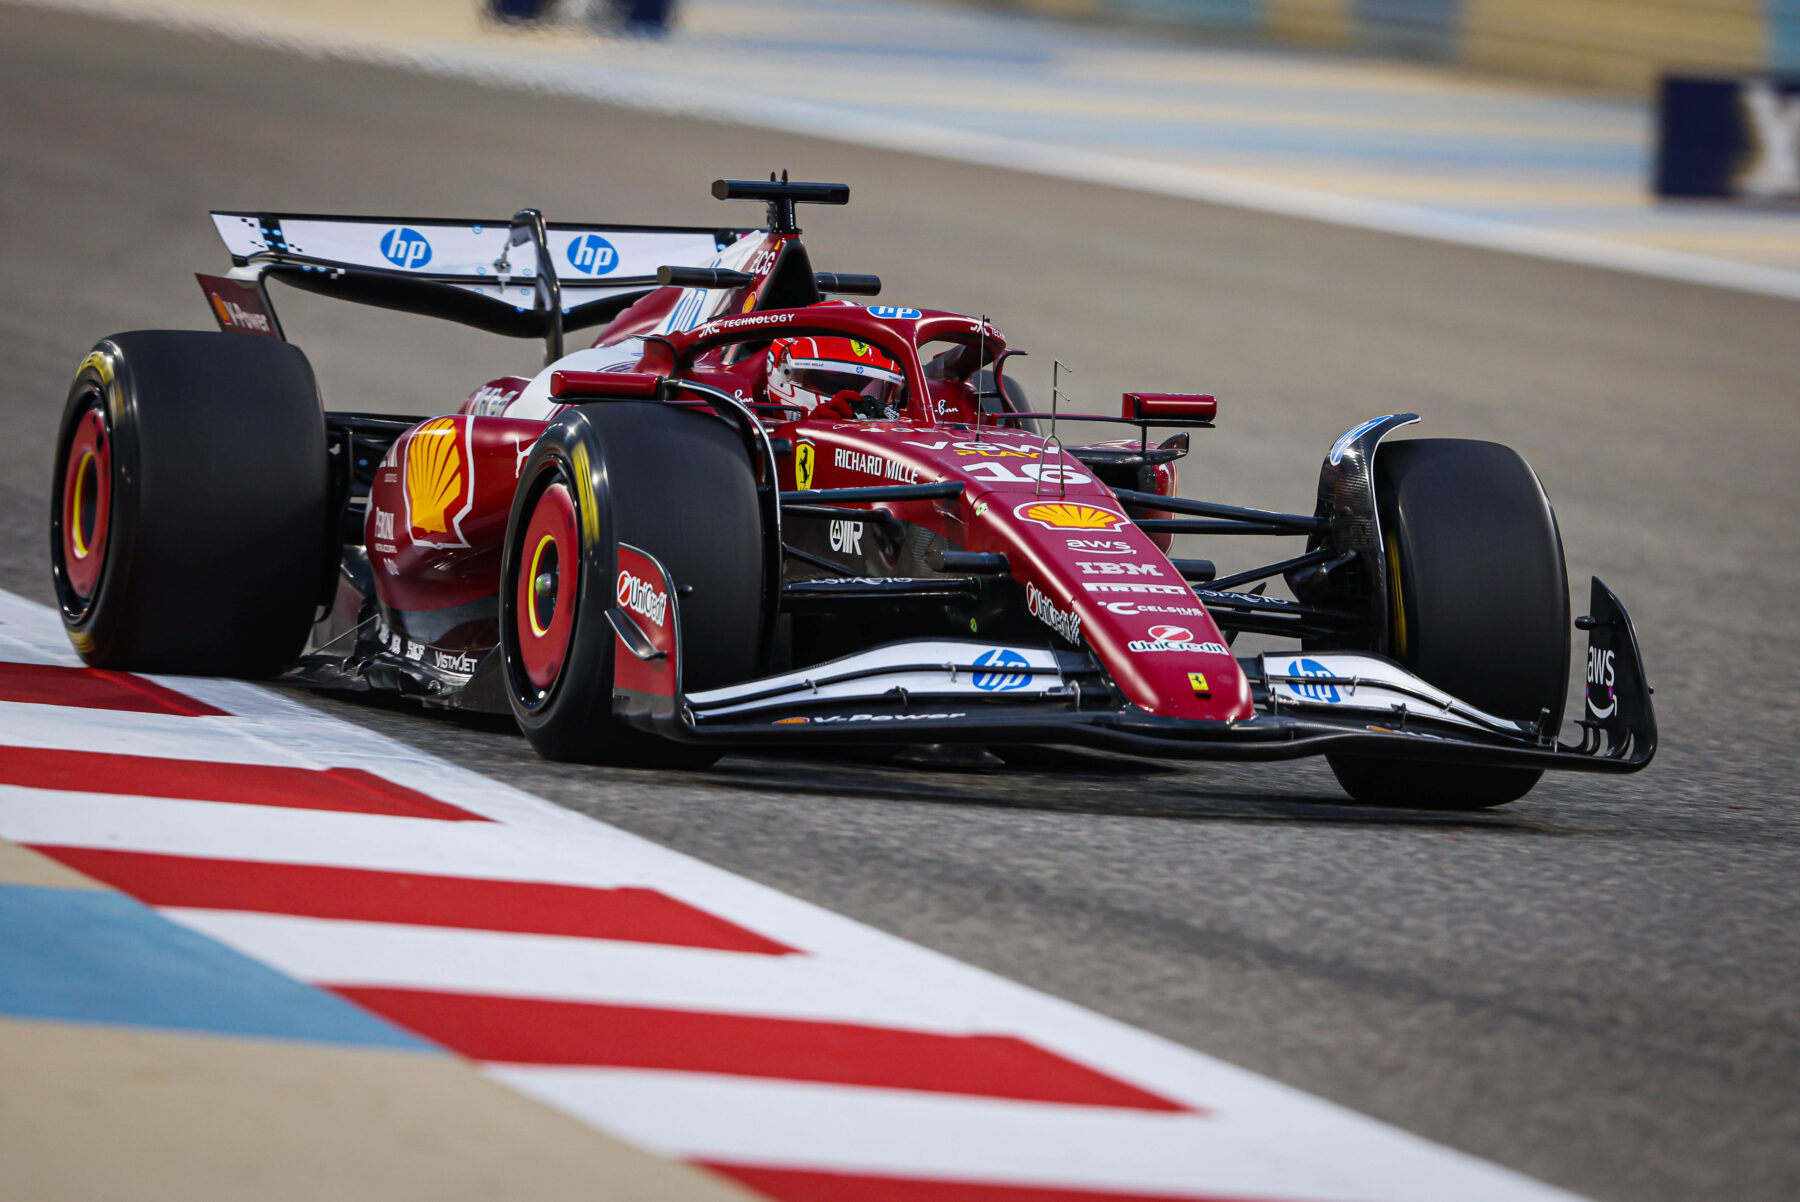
{"points": [[534, 1031], [809, 1185], [96, 688], [349, 790], [633, 915]]}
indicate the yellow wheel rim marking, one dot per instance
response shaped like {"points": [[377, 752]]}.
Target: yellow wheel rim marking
{"points": [[81, 473], [531, 610]]}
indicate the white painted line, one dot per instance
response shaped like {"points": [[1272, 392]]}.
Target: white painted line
{"points": [[569, 969], [855, 1129], [164, 736], [676, 93], [276, 835]]}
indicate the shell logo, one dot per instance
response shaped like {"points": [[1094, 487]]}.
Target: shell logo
{"points": [[1068, 515], [434, 476]]}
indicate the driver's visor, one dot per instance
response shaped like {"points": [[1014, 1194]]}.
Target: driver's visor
{"points": [[828, 377]]}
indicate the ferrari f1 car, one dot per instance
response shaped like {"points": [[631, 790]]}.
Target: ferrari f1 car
{"points": [[757, 513]]}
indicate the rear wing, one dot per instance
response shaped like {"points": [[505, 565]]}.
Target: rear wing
{"points": [[522, 277]]}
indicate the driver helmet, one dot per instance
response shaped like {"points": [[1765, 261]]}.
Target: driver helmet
{"points": [[809, 372]]}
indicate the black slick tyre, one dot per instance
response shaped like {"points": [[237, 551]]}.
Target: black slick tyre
{"points": [[188, 522], [1478, 605], [671, 481]]}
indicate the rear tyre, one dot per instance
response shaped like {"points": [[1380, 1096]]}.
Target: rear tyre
{"points": [[188, 519], [671, 481], [1478, 605]]}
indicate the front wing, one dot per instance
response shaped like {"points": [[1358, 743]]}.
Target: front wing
{"points": [[968, 691]]}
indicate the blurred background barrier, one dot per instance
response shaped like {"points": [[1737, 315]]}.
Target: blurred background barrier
{"points": [[638, 17], [1620, 45], [1729, 138]]}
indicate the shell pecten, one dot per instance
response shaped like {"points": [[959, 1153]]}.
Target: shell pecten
{"points": [[434, 473], [1068, 515]]}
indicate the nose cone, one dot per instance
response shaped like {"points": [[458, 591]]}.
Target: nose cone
{"points": [[1089, 572]]}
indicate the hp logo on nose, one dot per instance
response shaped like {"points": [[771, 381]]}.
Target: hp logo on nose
{"points": [[406, 248], [592, 255]]}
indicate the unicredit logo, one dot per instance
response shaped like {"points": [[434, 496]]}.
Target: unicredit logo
{"points": [[641, 598], [1172, 634]]}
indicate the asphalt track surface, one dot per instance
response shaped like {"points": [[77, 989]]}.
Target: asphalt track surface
{"points": [[1598, 985]]}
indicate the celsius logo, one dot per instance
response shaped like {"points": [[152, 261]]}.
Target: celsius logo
{"points": [[592, 255], [1001, 681], [641, 597], [406, 248], [1317, 692]]}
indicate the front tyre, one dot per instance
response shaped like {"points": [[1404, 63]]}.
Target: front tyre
{"points": [[672, 481], [188, 513], [1478, 604]]}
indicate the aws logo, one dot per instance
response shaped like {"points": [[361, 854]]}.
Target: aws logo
{"points": [[440, 489]]}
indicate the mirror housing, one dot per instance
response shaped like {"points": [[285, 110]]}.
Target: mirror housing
{"points": [[1197, 407]]}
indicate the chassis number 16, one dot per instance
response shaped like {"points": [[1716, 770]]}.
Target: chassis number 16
{"points": [[996, 472]]}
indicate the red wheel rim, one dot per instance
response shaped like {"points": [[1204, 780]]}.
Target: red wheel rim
{"points": [[545, 609], [86, 503]]}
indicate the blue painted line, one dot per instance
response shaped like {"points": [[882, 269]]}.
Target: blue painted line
{"points": [[90, 956]]}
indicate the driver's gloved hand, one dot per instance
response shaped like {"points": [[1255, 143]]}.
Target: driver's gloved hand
{"points": [[842, 405], [864, 407]]}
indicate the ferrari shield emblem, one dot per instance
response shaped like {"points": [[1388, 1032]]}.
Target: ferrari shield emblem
{"points": [[804, 456]]}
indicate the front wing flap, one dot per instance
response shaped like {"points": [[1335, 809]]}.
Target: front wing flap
{"points": [[1313, 703]]}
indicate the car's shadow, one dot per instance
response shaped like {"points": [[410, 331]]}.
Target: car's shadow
{"points": [[1063, 780], [1040, 779]]}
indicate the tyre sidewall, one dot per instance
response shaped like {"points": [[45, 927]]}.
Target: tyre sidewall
{"points": [[679, 485], [103, 383], [218, 526]]}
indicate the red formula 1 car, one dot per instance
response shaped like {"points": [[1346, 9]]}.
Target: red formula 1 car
{"points": [[756, 513]]}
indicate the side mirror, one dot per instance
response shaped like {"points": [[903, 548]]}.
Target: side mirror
{"points": [[1174, 407]]}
